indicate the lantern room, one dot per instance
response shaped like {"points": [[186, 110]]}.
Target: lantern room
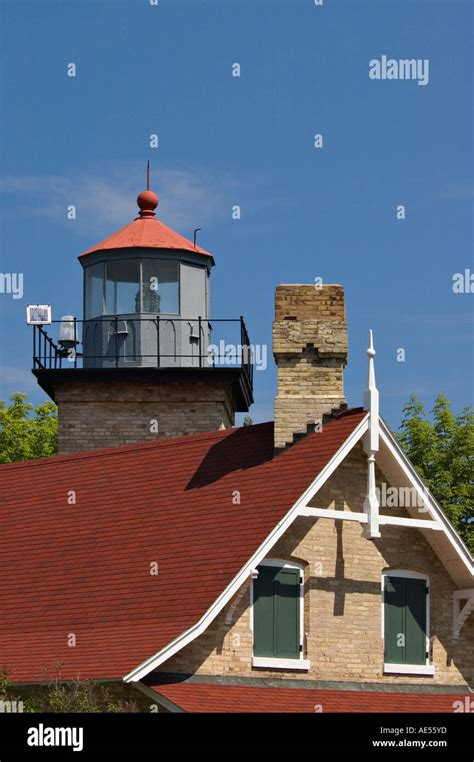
{"points": [[146, 296], [145, 360]]}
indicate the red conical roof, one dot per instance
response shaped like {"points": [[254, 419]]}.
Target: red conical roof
{"points": [[146, 232]]}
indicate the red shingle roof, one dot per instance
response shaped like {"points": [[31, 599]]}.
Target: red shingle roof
{"points": [[147, 233], [83, 568], [203, 697]]}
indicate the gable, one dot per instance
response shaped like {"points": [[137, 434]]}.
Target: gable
{"points": [[343, 576], [436, 523]]}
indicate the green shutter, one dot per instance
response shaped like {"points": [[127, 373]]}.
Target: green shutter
{"points": [[263, 611], [405, 621], [394, 620], [277, 613], [415, 621], [287, 614]]}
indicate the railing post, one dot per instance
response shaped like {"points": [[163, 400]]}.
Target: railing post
{"points": [[34, 346], [116, 342], [75, 342], [158, 341], [200, 342]]}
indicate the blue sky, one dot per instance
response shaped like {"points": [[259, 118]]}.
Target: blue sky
{"points": [[224, 140]]}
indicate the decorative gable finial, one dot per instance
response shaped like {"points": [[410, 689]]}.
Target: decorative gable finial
{"points": [[371, 399], [371, 446], [371, 389]]}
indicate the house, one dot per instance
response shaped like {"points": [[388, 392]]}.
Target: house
{"points": [[299, 565]]}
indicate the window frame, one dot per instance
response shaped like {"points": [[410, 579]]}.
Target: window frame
{"points": [[275, 662], [112, 263], [104, 263], [178, 284], [408, 669]]}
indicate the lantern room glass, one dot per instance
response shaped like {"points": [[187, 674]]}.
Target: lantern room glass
{"points": [[122, 287], [131, 286]]}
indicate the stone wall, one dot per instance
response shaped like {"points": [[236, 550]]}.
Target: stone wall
{"points": [[310, 350], [108, 414]]}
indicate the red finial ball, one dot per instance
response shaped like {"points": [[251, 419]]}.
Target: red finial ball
{"points": [[147, 202]]}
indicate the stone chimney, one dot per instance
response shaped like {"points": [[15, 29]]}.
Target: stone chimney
{"points": [[310, 350]]}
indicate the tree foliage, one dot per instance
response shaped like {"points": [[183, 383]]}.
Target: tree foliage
{"points": [[69, 697], [442, 451], [26, 431]]}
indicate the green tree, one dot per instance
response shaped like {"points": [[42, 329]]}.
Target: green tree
{"points": [[68, 697], [27, 432], [442, 451]]}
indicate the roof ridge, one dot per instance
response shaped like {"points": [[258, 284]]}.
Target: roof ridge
{"points": [[343, 411]]}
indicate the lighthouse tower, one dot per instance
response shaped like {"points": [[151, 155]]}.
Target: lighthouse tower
{"points": [[143, 361]]}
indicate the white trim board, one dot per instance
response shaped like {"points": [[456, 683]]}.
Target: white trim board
{"points": [[362, 518], [272, 662], [409, 669]]}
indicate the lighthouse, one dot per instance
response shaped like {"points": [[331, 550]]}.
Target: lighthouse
{"points": [[138, 364]]}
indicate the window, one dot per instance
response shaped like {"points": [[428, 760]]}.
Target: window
{"points": [[160, 292], [131, 286], [122, 287], [278, 616], [405, 623], [95, 291]]}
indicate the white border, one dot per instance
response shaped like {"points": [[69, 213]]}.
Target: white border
{"points": [[274, 662], [408, 669], [30, 307]]}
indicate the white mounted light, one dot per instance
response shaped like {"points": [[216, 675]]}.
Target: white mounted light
{"points": [[68, 331], [254, 574], [38, 314]]}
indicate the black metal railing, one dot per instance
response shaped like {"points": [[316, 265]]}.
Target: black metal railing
{"points": [[154, 341]]}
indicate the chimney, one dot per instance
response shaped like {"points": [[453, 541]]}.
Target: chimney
{"points": [[310, 350]]}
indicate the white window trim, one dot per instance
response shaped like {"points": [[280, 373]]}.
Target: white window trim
{"points": [[274, 662], [408, 669]]}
